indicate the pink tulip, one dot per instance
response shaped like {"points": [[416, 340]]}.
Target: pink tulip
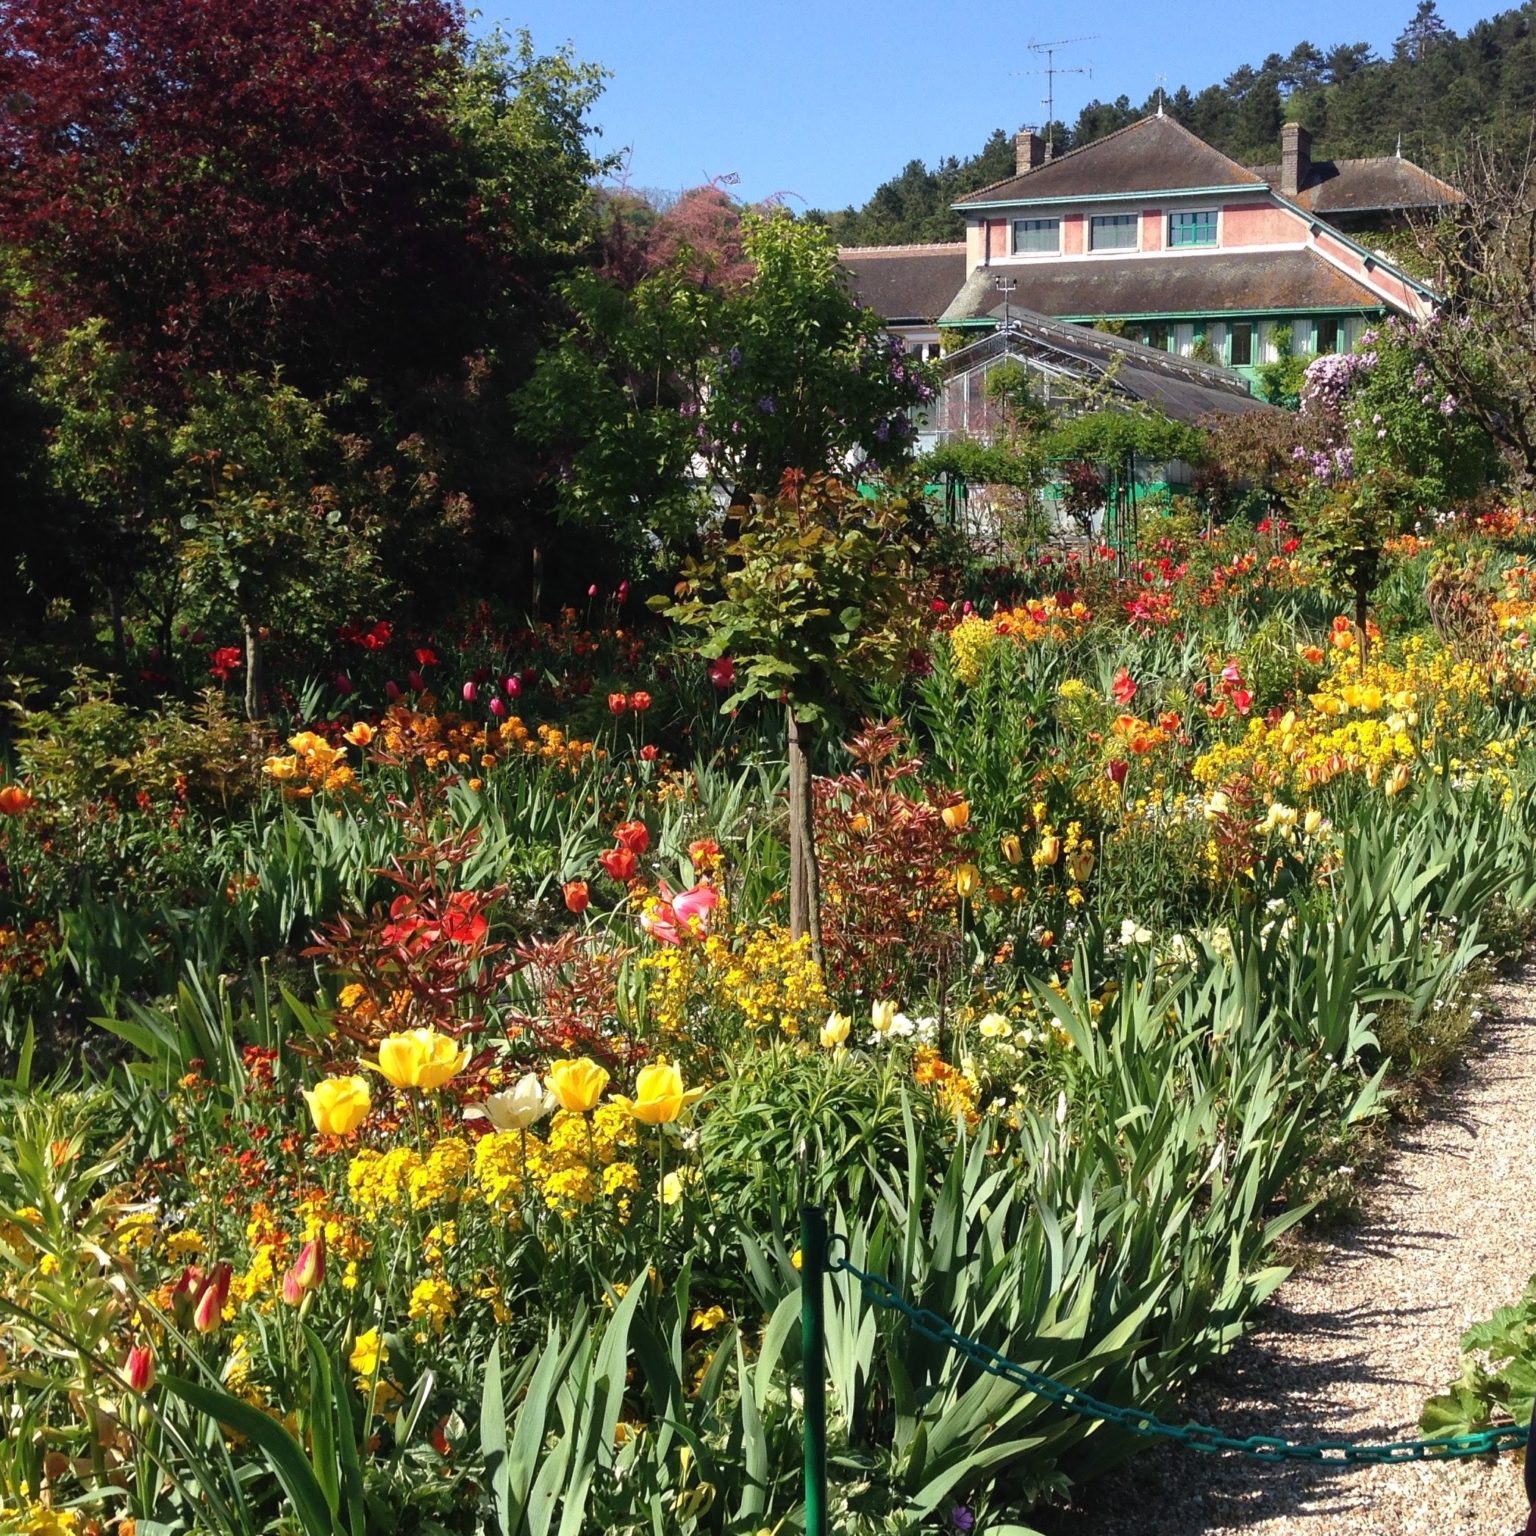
{"points": [[592, 590], [514, 686], [498, 708], [392, 691], [469, 692], [623, 590]]}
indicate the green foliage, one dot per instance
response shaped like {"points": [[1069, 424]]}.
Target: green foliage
{"points": [[1111, 436], [966, 458], [1280, 382], [783, 372], [813, 601]]}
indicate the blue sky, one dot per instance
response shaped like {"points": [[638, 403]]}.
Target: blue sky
{"points": [[823, 101]]}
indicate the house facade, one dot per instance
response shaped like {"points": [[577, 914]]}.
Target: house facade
{"points": [[1183, 249]]}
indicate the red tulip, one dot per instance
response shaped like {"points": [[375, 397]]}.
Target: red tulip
{"points": [[592, 590], [1242, 700], [619, 862], [639, 702], [618, 703], [416, 680], [140, 1368], [1117, 770], [633, 835], [392, 691], [209, 1311], [577, 897], [648, 752], [309, 1267], [1124, 688], [722, 672]]}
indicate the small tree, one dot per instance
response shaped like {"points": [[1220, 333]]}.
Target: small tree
{"points": [[814, 601], [268, 539], [673, 391]]}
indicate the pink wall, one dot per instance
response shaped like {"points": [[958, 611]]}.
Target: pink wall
{"points": [[975, 244], [1152, 229], [1352, 261], [997, 238], [1260, 224], [1072, 235]]}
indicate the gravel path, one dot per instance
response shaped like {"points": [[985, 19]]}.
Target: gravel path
{"points": [[1353, 1345]]}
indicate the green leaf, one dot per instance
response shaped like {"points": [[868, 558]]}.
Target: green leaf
{"points": [[280, 1449]]}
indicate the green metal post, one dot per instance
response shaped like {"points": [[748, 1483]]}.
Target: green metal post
{"points": [[813, 1355]]}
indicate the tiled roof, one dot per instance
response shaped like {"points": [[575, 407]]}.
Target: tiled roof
{"points": [[905, 283], [1381, 184], [1155, 154], [1222, 282]]}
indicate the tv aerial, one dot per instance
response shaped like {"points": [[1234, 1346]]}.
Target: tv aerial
{"points": [[1047, 51]]}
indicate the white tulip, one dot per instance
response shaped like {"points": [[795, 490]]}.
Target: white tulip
{"points": [[522, 1105]]}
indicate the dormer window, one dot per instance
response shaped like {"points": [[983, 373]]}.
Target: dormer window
{"points": [[1032, 237], [1196, 228], [1113, 232]]}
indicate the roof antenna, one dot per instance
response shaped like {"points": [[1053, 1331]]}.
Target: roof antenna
{"points": [[1399, 145], [1162, 80], [1051, 70]]}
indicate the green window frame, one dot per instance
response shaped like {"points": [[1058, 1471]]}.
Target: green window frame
{"points": [[1034, 236], [1114, 232], [1240, 339], [1196, 227]]}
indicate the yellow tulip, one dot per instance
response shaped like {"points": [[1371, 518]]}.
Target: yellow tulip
{"points": [[1398, 780], [577, 1084], [835, 1031], [659, 1094], [1080, 865], [1312, 822], [1049, 851], [360, 734], [1013, 848], [882, 1016], [967, 881], [420, 1058], [339, 1104], [956, 816]]}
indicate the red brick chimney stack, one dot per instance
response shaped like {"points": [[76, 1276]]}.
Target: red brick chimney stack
{"points": [[1295, 158]]}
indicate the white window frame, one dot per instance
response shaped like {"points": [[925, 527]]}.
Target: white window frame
{"points": [[1192, 245], [1044, 218], [1121, 220]]}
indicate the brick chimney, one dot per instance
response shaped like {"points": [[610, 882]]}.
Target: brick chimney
{"points": [[1028, 152], [1295, 158]]}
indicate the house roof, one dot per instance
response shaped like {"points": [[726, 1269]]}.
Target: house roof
{"points": [[905, 283], [1179, 387], [1377, 185], [1155, 154], [1215, 283]]}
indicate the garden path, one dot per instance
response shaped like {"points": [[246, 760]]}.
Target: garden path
{"points": [[1352, 1345]]}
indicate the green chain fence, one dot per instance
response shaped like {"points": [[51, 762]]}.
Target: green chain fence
{"points": [[818, 1262]]}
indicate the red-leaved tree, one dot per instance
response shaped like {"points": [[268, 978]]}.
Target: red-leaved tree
{"points": [[231, 183]]}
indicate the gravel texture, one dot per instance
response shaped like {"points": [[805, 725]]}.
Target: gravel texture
{"points": [[1352, 1345]]}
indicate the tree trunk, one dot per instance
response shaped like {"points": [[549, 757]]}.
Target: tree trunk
{"points": [[119, 633], [253, 666], [804, 876]]}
